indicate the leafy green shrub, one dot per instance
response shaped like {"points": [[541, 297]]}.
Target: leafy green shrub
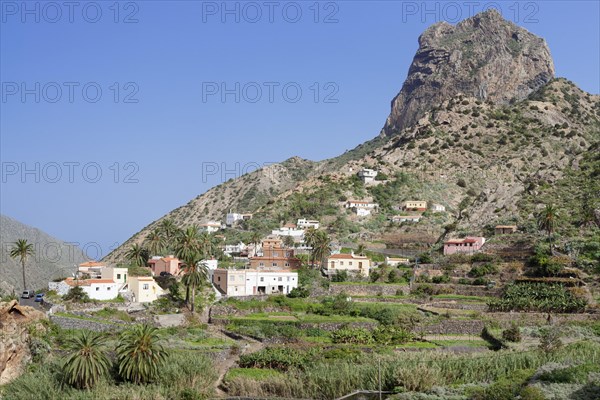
{"points": [[480, 282], [352, 336], [441, 279], [512, 334], [77, 295], [299, 292], [572, 374], [550, 339], [482, 270], [536, 296], [279, 358], [340, 276]]}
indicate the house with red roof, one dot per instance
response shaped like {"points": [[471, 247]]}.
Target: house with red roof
{"points": [[468, 245]]}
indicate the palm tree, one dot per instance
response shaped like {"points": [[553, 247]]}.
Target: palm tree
{"points": [[188, 249], [86, 363], [255, 239], [170, 232], [193, 276], [360, 250], [137, 255], [547, 219], [139, 354], [21, 250], [208, 244], [310, 236], [321, 247], [156, 242], [289, 241]]}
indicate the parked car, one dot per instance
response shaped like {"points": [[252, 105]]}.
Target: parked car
{"points": [[39, 297], [27, 294]]}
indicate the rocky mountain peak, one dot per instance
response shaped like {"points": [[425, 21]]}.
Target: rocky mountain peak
{"points": [[484, 56]]}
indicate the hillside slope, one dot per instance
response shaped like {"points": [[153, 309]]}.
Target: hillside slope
{"points": [[492, 156], [53, 258]]}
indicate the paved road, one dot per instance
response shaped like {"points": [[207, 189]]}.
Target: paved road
{"points": [[31, 303]]}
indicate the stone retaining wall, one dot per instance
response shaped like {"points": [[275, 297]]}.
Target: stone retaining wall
{"points": [[77, 323], [462, 327], [360, 289]]}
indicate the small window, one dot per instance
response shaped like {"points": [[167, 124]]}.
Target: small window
{"points": [[145, 287], [97, 289], [108, 288], [218, 279], [350, 263], [287, 264], [341, 263], [262, 264], [232, 278], [274, 264], [262, 278], [280, 279], [118, 276], [288, 278]]}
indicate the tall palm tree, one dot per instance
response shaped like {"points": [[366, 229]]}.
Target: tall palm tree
{"points": [[310, 236], [138, 255], [156, 242], [170, 231], [21, 250], [289, 241], [255, 239], [360, 250], [188, 249], [208, 244], [321, 247], [547, 219], [193, 276], [139, 354], [86, 362]]}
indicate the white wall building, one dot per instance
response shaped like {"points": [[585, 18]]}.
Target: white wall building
{"points": [[96, 289], [289, 231], [406, 218], [210, 227], [367, 175], [232, 218], [438, 208], [304, 223], [247, 282]]}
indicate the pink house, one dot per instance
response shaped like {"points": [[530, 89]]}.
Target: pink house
{"points": [[168, 264], [468, 245]]}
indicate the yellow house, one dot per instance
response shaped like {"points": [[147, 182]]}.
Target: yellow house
{"points": [[144, 289], [414, 205], [351, 263], [118, 275]]}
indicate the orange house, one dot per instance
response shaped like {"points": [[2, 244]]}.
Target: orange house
{"points": [[167, 264]]}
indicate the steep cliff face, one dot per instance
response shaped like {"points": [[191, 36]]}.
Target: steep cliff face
{"points": [[15, 353], [484, 56]]}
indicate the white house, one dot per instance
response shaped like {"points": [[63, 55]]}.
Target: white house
{"points": [[438, 208], [232, 218], [406, 218], [234, 248], [361, 204], [352, 263], [367, 175], [304, 223], [289, 230], [394, 262], [96, 289], [144, 289], [362, 212], [247, 282], [210, 227]]}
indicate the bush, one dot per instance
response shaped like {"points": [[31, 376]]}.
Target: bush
{"points": [[482, 270], [352, 336], [550, 339], [340, 276], [76, 294], [299, 292], [512, 334], [441, 279], [537, 296]]}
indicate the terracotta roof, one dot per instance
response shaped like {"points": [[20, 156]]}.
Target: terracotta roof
{"points": [[348, 257], [92, 264], [86, 282]]}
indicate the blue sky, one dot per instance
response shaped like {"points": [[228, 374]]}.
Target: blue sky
{"points": [[129, 109]]}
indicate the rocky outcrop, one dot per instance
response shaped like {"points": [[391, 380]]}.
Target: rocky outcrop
{"points": [[484, 56], [15, 352]]}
